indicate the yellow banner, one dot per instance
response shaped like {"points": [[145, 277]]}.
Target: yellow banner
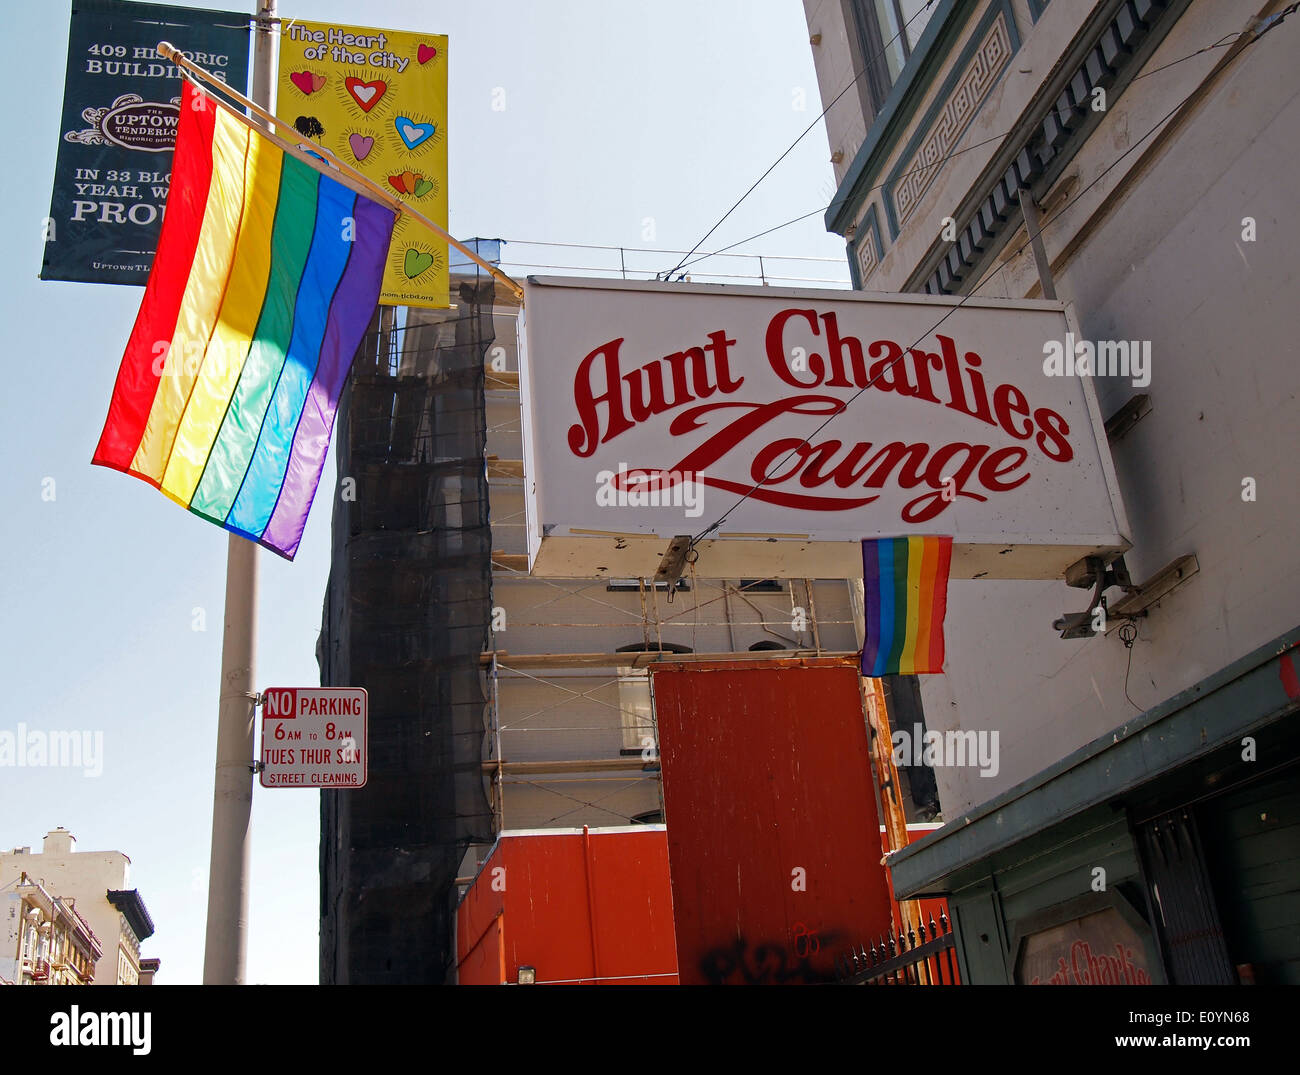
{"points": [[377, 99]]}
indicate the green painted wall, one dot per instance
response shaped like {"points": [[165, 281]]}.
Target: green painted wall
{"points": [[1252, 848], [1033, 877]]}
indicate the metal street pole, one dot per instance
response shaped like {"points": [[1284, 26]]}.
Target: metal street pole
{"points": [[232, 799]]}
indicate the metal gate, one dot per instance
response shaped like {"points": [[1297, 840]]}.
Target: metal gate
{"points": [[1187, 922]]}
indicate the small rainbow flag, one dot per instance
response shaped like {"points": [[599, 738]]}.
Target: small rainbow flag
{"points": [[267, 274], [905, 585]]}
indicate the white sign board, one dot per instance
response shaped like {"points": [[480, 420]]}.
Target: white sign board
{"points": [[651, 409], [314, 737]]}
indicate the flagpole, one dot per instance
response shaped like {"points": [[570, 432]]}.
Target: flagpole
{"points": [[375, 191], [226, 945]]}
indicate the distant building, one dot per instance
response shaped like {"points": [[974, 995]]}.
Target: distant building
{"points": [[91, 889], [43, 938]]}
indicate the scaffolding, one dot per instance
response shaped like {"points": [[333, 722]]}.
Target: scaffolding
{"points": [[405, 616], [571, 731], [497, 699]]}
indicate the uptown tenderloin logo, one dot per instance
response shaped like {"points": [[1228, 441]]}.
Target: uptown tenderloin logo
{"points": [[825, 475], [132, 123]]}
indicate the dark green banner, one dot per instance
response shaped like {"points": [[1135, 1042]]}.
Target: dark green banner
{"points": [[120, 107]]}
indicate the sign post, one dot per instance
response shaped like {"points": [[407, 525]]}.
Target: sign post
{"points": [[226, 941]]}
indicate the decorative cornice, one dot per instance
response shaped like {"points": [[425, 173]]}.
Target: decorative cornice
{"points": [[1057, 136], [132, 906], [976, 71], [899, 107], [865, 249]]}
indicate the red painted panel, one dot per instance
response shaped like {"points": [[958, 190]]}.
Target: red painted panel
{"points": [[577, 907], [766, 773]]}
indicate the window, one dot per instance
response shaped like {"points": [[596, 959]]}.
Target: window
{"points": [[886, 33], [636, 712], [634, 585]]}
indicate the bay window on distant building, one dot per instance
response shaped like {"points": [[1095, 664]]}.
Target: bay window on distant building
{"points": [[82, 925]]}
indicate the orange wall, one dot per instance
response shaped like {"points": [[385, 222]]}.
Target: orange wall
{"points": [[575, 906], [929, 907], [772, 828]]}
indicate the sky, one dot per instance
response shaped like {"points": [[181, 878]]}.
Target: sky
{"points": [[623, 124]]}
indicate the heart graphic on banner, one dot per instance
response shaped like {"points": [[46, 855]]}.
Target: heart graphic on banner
{"points": [[413, 133], [416, 262], [410, 183], [425, 53], [306, 81], [403, 183], [366, 94], [361, 145]]}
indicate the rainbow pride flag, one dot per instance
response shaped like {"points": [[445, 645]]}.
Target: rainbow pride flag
{"points": [[267, 274], [905, 584]]}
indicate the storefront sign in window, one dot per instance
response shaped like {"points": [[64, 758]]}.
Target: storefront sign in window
{"points": [[1095, 949]]}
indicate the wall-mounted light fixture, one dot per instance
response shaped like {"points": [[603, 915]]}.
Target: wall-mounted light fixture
{"points": [[527, 976]]}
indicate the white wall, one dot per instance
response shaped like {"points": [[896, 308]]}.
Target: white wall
{"points": [[835, 66], [1169, 266], [1153, 251]]}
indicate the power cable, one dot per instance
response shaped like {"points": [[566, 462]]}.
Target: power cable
{"points": [[690, 260], [1266, 26], [1221, 43], [790, 149], [660, 250], [816, 212]]}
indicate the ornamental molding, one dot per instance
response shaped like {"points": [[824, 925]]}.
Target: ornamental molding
{"points": [[963, 100]]}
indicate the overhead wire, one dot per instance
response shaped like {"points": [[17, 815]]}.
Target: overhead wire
{"points": [[717, 275], [1043, 224], [871, 61], [724, 251], [690, 258], [1221, 43], [662, 250]]}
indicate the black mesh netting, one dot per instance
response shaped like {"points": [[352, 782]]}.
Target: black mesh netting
{"points": [[406, 616]]}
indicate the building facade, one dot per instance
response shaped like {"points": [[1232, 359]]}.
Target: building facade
{"points": [[500, 701], [45, 941], [1147, 801], [92, 885]]}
